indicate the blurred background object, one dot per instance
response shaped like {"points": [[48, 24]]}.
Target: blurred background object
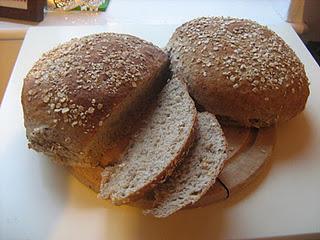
{"points": [[304, 16], [295, 16], [82, 5], [10, 43], [30, 10]]}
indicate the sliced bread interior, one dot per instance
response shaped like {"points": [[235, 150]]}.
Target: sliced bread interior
{"points": [[198, 171], [156, 149]]}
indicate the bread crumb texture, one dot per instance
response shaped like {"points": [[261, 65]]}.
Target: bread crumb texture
{"points": [[156, 149], [196, 173]]}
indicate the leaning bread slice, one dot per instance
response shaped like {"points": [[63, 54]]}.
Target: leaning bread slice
{"points": [[198, 171], [156, 149]]}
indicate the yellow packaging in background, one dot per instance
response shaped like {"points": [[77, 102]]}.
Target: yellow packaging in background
{"points": [[78, 5]]}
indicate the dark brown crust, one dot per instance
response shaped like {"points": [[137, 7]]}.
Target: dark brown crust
{"points": [[88, 76], [263, 84]]}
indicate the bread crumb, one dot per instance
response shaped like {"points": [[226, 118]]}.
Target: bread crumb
{"points": [[100, 105], [65, 110], [91, 110], [235, 85]]}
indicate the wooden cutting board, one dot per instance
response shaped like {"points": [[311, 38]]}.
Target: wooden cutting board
{"points": [[246, 162], [248, 149]]}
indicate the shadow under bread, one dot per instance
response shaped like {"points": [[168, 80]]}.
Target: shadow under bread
{"points": [[293, 137], [199, 223]]}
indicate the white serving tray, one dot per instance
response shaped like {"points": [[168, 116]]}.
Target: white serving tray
{"points": [[40, 200]]}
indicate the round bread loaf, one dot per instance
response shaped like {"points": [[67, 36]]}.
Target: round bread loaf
{"points": [[80, 97], [239, 70]]}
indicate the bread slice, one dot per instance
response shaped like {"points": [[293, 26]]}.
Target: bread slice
{"points": [[197, 173], [156, 148]]}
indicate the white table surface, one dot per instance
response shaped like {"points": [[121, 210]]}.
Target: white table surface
{"points": [[40, 200]]}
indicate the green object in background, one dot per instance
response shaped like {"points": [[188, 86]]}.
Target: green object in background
{"points": [[101, 8], [104, 6]]}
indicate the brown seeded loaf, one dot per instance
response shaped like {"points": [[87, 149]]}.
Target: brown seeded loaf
{"points": [[239, 70], [78, 96], [197, 172], [156, 149]]}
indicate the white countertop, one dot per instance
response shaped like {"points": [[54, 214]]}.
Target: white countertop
{"points": [[40, 200]]}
